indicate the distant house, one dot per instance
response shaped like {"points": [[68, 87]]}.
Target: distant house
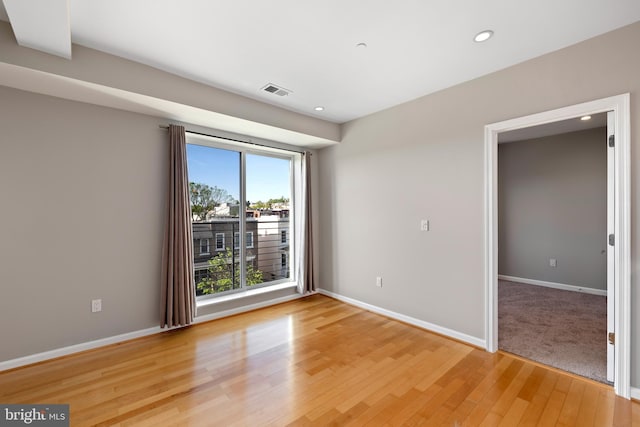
{"points": [[225, 210], [273, 250], [215, 237]]}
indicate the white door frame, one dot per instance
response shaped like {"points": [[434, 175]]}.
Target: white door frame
{"points": [[622, 199], [611, 254]]}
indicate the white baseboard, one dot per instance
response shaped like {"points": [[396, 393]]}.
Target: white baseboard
{"points": [[65, 351], [478, 342], [635, 393], [554, 285]]}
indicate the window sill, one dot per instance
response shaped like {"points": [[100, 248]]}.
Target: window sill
{"points": [[240, 295]]}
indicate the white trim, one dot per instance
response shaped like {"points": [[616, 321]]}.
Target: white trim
{"points": [[213, 299], [611, 253], [245, 308], [491, 238], [478, 342], [635, 393], [65, 351], [619, 104], [554, 285], [622, 247]]}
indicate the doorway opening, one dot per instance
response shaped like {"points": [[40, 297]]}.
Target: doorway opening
{"points": [[552, 247], [618, 206]]}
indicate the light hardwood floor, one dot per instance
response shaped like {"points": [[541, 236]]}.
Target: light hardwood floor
{"points": [[314, 361]]}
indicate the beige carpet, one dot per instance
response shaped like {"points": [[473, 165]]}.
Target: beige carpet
{"points": [[563, 329]]}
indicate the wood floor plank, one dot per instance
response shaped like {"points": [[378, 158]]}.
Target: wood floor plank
{"points": [[314, 361], [552, 409], [569, 413], [604, 409], [490, 378], [533, 412], [587, 411], [622, 414], [371, 413], [509, 395], [514, 413], [491, 420], [635, 414], [533, 383], [493, 393]]}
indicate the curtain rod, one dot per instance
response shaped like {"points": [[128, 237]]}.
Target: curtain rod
{"points": [[239, 140]]}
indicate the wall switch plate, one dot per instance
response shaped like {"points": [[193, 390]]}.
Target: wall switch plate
{"points": [[96, 305], [553, 262], [424, 225], [379, 282]]}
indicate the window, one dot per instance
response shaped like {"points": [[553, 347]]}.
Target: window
{"points": [[236, 240], [219, 241], [201, 274], [227, 181], [204, 246]]}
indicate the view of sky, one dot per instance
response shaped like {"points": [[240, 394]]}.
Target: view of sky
{"points": [[267, 177]]}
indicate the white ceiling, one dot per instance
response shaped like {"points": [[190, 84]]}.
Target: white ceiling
{"points": [[415, 47], [41, 24]]}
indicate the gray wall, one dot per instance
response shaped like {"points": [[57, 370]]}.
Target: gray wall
{"points": [[552, 203], [425, 159], [82, 215], [82, 190]]}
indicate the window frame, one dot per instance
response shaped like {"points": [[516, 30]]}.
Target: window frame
{"points": [[295, 180], [208, 246], [236, 240], [222, 248]]}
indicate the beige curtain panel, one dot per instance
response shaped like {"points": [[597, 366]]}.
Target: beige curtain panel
{"points": [[178, 302]]}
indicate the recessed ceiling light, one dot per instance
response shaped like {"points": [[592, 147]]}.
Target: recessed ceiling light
{"points": [[361, 45], [483, 36], [319, 108], [585, 118]]}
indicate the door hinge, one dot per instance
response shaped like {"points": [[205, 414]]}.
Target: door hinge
{"points": [[612, 338], [612, 240], [612, 140]]}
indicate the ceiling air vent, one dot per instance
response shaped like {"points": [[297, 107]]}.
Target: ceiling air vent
{"points": [[276, 90]]}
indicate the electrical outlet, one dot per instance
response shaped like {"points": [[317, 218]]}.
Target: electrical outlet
{"points": [[424, 225], [96, 305], [379, 282], [553, 262]]}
